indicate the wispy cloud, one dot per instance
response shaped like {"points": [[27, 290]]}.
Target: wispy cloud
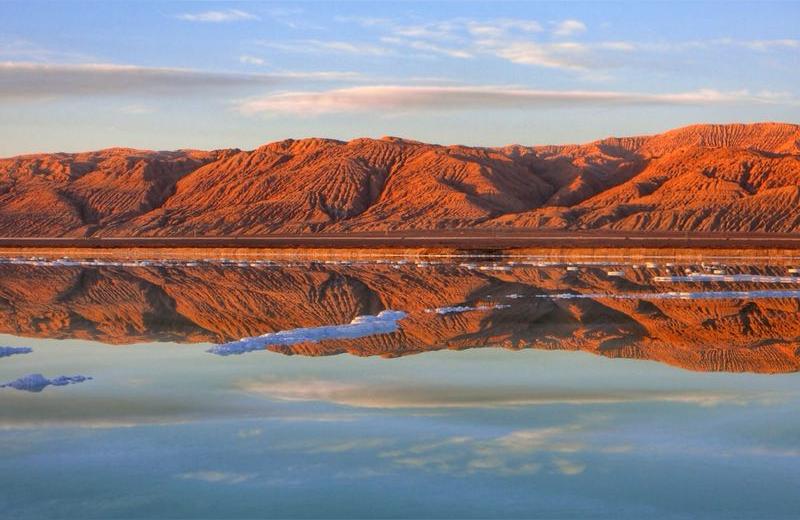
{"points": [[510, 39], [567, 55], [251, 60], [714, 43], [424, 46], [415, 98], [329, 47], [568, 27], [763, 45], [25, 80], [498, 27], [227, 15], [321, 75], [24, 50], [556, 45]]}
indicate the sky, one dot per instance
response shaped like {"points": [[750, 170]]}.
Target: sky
{"points": [[163, 75]]}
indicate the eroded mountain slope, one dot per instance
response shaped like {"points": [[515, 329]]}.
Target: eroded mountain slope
{"points": [[726, 178]]}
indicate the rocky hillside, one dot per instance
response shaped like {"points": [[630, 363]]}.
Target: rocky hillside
{"points": [[731, 178]]}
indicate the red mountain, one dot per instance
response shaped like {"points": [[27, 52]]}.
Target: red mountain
{"points": [[732, 178]]}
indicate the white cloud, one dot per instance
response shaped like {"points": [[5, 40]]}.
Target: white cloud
{"points": [[251, 60], [24, 50], [569, 27], [331, 47], [700, 45], [424, 46], [495, 28], [443, 30], [514, 40], [228, 15], [364, 21], [764, 45], [617, 46], [415, 98], [565, 55]]}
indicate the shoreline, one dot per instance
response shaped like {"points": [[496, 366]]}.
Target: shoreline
{"points": [[477, 241]]}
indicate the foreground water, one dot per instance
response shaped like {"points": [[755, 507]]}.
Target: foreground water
{"points": [[660, 388]]}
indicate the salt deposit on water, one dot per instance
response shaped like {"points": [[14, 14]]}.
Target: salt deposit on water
{"points": [[384, 323], [704, 295], [753, 278], [465, 308]]}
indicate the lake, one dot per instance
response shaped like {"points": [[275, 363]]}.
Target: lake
{"points": [[387, 386]]}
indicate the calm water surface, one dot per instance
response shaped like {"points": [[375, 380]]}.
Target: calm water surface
{"points": [[513, 388]]}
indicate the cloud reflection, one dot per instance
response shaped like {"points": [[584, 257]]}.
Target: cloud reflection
{"points": [[217, 477], [520, 452], [386, 396]]}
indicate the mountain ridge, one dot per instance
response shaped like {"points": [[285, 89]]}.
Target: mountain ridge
{"points": [[728, 178]]}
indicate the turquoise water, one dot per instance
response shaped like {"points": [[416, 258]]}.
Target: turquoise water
{"points": [[169, 430]]}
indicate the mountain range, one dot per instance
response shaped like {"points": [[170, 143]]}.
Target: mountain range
{"points": [[735, 178]]}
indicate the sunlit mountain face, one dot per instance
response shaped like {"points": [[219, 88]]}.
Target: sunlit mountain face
{"points": [[731, 179]]}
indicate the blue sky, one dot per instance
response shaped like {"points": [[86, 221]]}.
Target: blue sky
{"points": [[85, 75]]}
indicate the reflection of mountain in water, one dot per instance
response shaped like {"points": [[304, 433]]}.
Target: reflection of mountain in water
{"points": [[216, 303]]}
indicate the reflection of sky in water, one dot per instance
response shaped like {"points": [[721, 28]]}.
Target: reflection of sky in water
{"points": [[172, 431]]}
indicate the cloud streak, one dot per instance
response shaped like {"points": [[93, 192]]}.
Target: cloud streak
{"points": [[227, 15], [384, 396], [251, 60], [397, 98], [26, 80], [327, 47]]}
